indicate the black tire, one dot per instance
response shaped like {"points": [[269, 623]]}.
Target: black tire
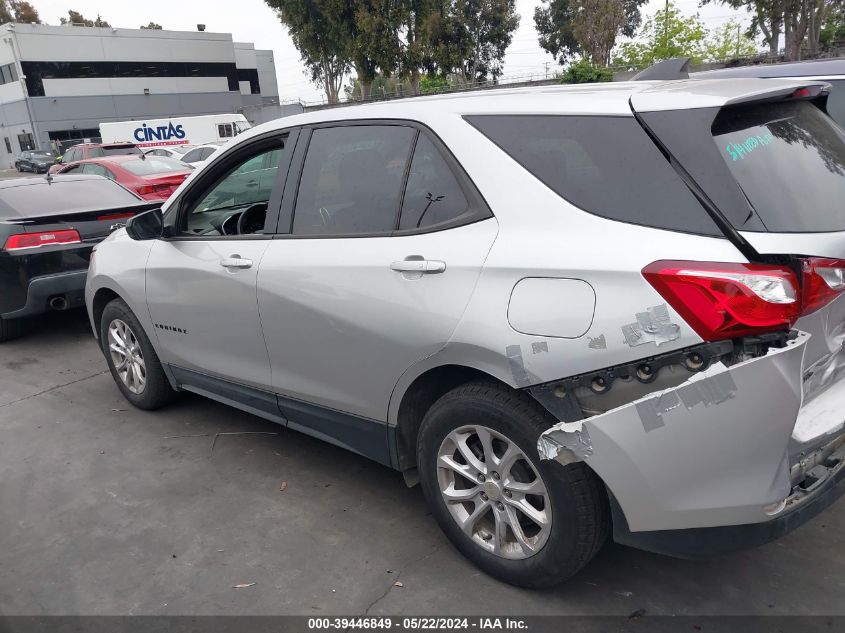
{"points": [[580, 512], [9, 329], [157, 391]]}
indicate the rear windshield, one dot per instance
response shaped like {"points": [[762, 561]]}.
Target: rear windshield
{"points": [[153, 165], [63, 196], [789, 160], [605, 165]]}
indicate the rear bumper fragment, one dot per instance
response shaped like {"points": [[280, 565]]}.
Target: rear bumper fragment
{"points": [[707, 452], [800, 507]]}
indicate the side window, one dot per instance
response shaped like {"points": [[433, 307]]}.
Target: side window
{"points": [[98, 170], [433, 195], [72, 156], [205, 152], [96, 152], [351, 180], [224, 130], [240, 188], [192, 156]]}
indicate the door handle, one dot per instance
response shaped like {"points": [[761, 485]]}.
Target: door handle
{"points": [[236, 261], [427, 266]]}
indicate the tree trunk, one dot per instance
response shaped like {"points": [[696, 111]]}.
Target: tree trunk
{"points": [[366, 89], [415, 82]]}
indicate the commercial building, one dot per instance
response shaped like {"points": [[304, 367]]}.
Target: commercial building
{"points": [[58, 83]]}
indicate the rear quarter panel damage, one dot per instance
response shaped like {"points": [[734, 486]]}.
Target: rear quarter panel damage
{"points": [[712, 451]]}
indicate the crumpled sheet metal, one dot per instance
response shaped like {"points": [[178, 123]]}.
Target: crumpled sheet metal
{"points": [[708, 452]]}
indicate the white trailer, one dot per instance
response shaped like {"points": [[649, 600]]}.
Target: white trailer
{"points": [[185, 130]]}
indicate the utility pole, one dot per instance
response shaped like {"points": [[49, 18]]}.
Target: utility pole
{"points": [[546, 64], [737, 40]]}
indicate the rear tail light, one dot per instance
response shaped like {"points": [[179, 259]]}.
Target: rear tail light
{"points": [[147, 189], [823, 281], [46, 238], [111, 217], [721, 301]]}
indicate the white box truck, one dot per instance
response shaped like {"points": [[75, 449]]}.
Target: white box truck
{"points": [[186, 130]]}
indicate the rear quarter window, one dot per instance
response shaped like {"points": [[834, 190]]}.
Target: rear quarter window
{"points": [[605, 165]]}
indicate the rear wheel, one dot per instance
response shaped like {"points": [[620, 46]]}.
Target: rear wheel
{"points": [[523, 520], [10, 328], [133, 362]]}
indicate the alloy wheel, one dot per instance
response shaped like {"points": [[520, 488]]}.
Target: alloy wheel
{"points": [[127, 357], [493, 492]]}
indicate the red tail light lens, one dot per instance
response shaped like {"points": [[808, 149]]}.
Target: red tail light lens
{"points": [[725, 300], [823, 281], [111, 217], [47, 238], [143, 190]]}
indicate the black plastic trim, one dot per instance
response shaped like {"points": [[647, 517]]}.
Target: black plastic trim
{"points": [[364, 436], [40, 289]]}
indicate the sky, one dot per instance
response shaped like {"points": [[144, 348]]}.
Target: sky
{"points": [[253, 21]]}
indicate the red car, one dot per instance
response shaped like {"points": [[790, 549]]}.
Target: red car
{"points": [[151, 177], [84, 151]]}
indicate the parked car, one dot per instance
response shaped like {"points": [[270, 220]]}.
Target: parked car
{"points": [[176, 152], [830, 70], [84, 151], [37, 161], [565, 311], [152, 178], [47, 230], [199, 154]]}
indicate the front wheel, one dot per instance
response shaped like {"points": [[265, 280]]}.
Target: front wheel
{"points": [[133, 362], [523, 520]]}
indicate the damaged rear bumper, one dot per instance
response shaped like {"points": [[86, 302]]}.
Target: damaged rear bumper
{"points": [[710, 465]]}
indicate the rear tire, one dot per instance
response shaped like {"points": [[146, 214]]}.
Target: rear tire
{"points": [[132, 361], [571, 499], [9, 329]]}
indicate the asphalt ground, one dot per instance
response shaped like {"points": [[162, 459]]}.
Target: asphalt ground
{"points": [[105, 509]]}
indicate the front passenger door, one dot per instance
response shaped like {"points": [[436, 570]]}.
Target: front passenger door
{"points": [[201, 281]]}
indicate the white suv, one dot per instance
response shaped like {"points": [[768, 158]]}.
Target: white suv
{"points": [[567, 312]]}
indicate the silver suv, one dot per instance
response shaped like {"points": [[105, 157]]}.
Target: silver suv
{"points": [[568, 312]]}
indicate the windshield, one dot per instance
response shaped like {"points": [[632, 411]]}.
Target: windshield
{"points": [[789, 160], [152, 165], [42, 155]]}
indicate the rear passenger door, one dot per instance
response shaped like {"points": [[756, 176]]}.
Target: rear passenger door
{"points": [[352, 292]]}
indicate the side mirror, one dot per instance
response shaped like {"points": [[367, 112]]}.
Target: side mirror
{"points": [[146, 226]]}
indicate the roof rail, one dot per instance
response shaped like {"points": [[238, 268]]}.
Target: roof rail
{"points": [[666, 70]]}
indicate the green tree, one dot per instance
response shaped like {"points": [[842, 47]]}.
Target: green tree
{"points": [[24, 12], [320, 31], [152, 26], [374, 26], [585, 28], [5, 14], [665, 35], [832, 33], [75, 18], [416, 20], [584, 72], [727, 43], [487, 31]]}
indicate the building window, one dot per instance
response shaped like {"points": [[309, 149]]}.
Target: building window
{"points": [[36, 72], [224, 130], [26, 142], [8, 74], [250, 75], [8, 145]]}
